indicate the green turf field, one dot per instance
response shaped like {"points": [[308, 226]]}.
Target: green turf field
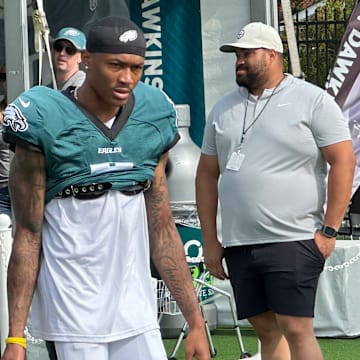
{"points": [[227, 346]]}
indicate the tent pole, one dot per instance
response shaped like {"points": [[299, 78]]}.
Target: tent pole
{"points": [[16, 47]]}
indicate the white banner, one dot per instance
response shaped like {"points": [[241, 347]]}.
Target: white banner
{"points": [[344, 82]]}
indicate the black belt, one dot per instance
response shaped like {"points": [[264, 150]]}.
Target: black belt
{"points": [[94, 191]]}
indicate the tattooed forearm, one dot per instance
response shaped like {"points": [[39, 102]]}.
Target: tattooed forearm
{"points": [[166, 246], [27, 188], [22, 274]]}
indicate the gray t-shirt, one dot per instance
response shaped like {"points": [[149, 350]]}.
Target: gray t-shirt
{"points": [[75, 80], [279, 191]]}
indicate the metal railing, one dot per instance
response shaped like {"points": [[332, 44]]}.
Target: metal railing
{"points": [[318, 36]]}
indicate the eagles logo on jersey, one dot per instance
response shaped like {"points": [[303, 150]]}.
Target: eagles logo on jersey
{"points": [[14, 118]]}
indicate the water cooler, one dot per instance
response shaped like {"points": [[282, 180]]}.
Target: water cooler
{"points": [[181, 170]]}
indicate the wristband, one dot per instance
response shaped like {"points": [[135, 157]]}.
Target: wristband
{"points": [[16, 340]]}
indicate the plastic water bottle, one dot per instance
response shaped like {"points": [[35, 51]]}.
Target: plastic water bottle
{"points": [[181, 172], [183, 160]]}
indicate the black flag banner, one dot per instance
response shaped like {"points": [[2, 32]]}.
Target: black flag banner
{"points": [[344, 82]]}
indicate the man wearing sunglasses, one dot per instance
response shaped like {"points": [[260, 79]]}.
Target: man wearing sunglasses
{"points": [[67, 47]]}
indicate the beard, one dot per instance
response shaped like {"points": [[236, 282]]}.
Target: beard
{"points": [[253, 77], [248, 80]]}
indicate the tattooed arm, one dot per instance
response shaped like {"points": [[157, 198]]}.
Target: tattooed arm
{"points": [[167, 252], [27, 188]]}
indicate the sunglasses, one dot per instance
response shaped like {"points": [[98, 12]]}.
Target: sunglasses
{"points": [[2, 76], [68, 49]]}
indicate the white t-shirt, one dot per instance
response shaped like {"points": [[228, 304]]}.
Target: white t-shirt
{"points": [[94, 283]]}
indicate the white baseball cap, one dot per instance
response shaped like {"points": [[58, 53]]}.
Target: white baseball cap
{"points": [[256, 35]]}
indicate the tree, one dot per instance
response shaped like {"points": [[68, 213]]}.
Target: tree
{"points": [[318, 38]]}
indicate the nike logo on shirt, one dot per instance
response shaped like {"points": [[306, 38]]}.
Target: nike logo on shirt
{"points": [[23, 103]]}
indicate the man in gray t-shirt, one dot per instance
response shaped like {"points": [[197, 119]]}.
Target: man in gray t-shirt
{"points": [[275, 151]]}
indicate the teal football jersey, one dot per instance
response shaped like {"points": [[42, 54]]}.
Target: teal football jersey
{"points": [[81, 150]]}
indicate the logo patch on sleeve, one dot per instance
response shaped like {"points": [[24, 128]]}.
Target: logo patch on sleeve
{"points": [[14, 118]]}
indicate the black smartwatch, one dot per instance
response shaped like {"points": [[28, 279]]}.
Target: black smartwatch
{"points": [[328, 231]]}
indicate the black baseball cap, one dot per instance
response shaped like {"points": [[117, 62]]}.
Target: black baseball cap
{"points": [[115, 34]]}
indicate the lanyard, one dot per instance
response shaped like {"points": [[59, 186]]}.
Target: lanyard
{"points": [[246, 129]]}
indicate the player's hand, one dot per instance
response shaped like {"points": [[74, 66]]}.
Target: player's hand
{"points": [[197, 345], [13, 352]]}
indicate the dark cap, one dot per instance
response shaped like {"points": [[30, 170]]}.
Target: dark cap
{"points": [[115, 35]]}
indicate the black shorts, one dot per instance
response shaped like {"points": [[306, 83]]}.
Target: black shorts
{"points": [[280, 277]]}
